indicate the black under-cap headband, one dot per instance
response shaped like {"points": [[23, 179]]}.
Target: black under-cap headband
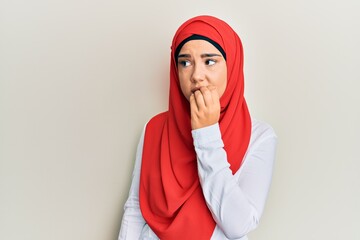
{"points": [[199, 37]]}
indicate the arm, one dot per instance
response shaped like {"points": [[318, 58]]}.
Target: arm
{"points": [[235, 201], [133, 221]]}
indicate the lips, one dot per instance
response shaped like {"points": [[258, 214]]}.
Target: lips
{"points": [[193, 90]]}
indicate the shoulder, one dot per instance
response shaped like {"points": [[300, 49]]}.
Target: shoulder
{"points": [[262, 146], [153, 128], [261, 131], [157, 121]]}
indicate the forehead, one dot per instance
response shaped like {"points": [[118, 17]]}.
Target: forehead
{"points": [[198, 46]]}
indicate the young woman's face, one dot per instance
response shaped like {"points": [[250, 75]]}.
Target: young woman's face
{"points": [[200, 64]]}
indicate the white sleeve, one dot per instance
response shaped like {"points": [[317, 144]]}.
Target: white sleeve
{"points": [[235, 201], [133, 221]]}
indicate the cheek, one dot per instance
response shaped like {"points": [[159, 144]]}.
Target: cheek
{"points": [[184, 85], [222, 83]]}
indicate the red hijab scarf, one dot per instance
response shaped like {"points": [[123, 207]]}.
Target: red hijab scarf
{"points": [[171, 198]]}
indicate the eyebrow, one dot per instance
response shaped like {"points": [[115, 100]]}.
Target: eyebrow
{"points": [[204, 55]]}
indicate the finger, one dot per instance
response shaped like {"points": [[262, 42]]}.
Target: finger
{"points": [[199, 98], [207, 96], [193, 106], [215, 94]]}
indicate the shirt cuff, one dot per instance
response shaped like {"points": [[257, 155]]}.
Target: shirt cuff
{"points": [[207, 137]]}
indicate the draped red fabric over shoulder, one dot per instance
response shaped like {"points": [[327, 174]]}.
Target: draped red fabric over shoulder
{"points": [[171, 198]]}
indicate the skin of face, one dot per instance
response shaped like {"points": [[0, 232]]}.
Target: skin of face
{"points": [[200, 64]]}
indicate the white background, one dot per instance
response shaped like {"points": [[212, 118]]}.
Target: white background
{"points": [[79, 79]]}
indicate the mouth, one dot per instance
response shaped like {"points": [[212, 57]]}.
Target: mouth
{"points": [[195, 89]]}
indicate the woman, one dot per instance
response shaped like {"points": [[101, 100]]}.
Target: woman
{"points": [[203, 168]]}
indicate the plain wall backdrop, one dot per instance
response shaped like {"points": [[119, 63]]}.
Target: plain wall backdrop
{"points": [[79, 79]]}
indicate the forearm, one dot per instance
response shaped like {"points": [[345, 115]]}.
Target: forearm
{"points": [[236, 201], [133, 221]]}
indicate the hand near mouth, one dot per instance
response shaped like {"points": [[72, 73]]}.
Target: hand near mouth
{"points": [[204, 107]]}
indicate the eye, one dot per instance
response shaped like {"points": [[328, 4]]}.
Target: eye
{"points": [[184, 63], [210, 62]]}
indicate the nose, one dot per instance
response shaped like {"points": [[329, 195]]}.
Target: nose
{"points": [[198, 74]]}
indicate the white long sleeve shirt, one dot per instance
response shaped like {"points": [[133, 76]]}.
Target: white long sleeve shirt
{"points": [[235, 201]]}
